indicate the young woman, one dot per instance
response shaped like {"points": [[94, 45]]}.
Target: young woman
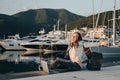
{"points": [[76, 55]]}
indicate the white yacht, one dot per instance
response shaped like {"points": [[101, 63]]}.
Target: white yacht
{"points": [[35, 45], [13, 42], [59, 46], [47, 45]]}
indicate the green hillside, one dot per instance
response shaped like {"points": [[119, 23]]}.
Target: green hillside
{"points": [[32, 21]]}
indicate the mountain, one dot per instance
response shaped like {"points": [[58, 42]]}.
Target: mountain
{"points": [[46, 18], [33, 20], [105, 18]]}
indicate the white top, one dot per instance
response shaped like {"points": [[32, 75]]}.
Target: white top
{"points": [[77, 54]]}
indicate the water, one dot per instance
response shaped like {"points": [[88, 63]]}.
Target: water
{"points": [[14, 61], [22, 61]]}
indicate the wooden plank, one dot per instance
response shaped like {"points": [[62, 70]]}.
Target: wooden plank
{"points": [[44, 65]]}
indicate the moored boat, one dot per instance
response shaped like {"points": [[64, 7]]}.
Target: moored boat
{"points": [[12, 43]]}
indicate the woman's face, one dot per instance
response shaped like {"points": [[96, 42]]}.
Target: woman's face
{"points": [[75, 37]]}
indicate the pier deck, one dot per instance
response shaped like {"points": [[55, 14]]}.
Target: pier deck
{"points": [[107, 73]]}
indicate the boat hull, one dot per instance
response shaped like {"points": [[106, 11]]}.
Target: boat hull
{"points": [[47, 48], [104, 49], [11, 45]]}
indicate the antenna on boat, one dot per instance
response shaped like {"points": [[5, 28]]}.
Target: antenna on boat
{"points": [[114, 21]]}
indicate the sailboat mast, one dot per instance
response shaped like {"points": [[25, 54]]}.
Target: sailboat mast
{"points": [[54, 28], [114, 21], [93, 15], [58, 24], [93, 20], [66, 31]]}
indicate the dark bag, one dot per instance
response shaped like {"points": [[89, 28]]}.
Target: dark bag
{"points": [[95, 61]]}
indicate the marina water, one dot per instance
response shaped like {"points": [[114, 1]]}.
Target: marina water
{"points": [[21, 61]]}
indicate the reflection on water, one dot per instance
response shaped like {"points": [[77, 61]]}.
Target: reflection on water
{"points": [[17, 56], [21, 61], [14, 61], [11, 56]]}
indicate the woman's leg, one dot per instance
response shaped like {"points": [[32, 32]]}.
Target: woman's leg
{"points": [[63, 63]]}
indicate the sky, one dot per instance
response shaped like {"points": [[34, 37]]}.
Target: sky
{"points": [[79, 7]]}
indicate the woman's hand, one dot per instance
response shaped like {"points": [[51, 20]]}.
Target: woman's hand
{"points": [[72, 44]]}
